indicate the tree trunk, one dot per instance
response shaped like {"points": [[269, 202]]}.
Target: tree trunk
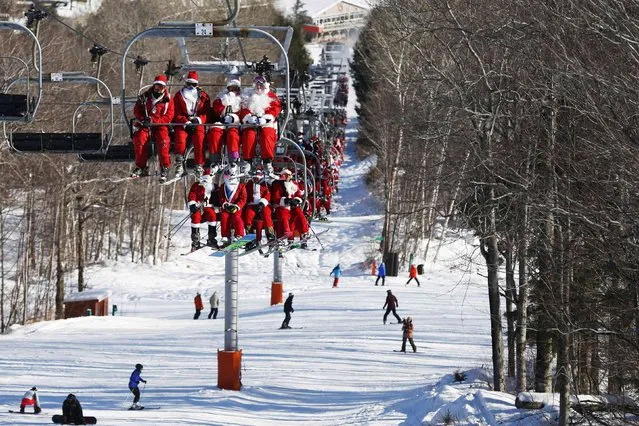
{"points": [[59, 286]]}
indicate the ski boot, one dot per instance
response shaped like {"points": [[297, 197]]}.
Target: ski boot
{"points": [[140, 172], [212, 239], [179, 166], [164, 173], [195, 239]]}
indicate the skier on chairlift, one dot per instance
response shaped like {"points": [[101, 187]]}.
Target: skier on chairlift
{"points": [[225, 130]]}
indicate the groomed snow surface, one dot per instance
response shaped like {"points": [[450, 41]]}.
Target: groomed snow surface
{"points": [[339, 368]]}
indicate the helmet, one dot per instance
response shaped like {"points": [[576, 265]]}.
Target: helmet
{"points": [[138, 366], [34, 388], [409, 319], [388, 291]]}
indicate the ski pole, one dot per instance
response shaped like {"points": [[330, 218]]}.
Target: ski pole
{"points": [[318, 240], [174, 229]]}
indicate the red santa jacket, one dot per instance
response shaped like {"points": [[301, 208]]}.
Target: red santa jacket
{"points": [[189, 103], [266, 105], [233, 196], [281, 190], [225, 102], [160, 110], [257, 193]]}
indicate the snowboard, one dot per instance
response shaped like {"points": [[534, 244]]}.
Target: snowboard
{"points": [[406, 352], [18, 412], [143, 408], [234, 246], [59, 419]]}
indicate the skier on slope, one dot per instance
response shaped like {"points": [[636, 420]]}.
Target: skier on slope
{"points": [[381, 273], [198, 305], [192, 106], [336, 273], [200, 207], [30, 397], [155, 106], [260, 108], [288, 310], [134, 381], [72, 410], [390, 306], [407, 333], [214, 300]]}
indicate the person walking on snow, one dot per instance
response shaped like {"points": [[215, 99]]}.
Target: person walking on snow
{"points": [[390, 306], [30, 397], [407, 333], [288, 310], [215, 303], [336, 273], [198, 305], [72, 410], [381, 273], [155, 106], [134, 381], [412, 275]]}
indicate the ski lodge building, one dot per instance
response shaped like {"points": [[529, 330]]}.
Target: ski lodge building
{"points": [[335, 21]]}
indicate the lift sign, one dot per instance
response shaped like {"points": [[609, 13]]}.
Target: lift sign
{"points": [[203, 29]]}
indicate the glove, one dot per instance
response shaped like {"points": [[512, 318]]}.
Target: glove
{"points": [[192, 208], [259, 208], [144, 381], [146, 122], [228, 119], [231, 208], [262, 121], [194, 120], [296, 202], [288, 201]]}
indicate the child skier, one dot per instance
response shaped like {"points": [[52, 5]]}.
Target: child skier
{"points": [[134, 381]]}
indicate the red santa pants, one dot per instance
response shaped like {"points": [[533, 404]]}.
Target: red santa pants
{"points": [[267, 139], [197, 140], [231, 219], [141, 145], [208, 215], [258, 222], [218, 135], [298, 221]]}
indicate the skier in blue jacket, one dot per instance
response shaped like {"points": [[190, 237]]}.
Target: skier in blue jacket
{"points": [[336, 273], [381, 273], [134, 381]]}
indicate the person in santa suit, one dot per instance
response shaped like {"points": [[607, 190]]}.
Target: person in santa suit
{"points": [[224, 115], [326, 190], [201, 208], [232, 196], [257, 214], [287, 199], [154, 106], [260, 108], [191, 105]]}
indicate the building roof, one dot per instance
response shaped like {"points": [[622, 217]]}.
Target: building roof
{"points": [[316, 7], [95, 294]]}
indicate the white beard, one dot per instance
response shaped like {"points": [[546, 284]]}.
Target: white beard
{"points": [[232, 100], [258, 103]]}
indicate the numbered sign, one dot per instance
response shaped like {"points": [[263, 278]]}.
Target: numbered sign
{"points": [[203, 29]]}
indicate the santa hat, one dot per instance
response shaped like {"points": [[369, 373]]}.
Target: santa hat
{"points": [[160, 79], [286, 172], [191, 77], [233, 82]]}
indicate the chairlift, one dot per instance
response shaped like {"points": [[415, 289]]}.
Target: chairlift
{"points": [[23, 106], [66, 143]]}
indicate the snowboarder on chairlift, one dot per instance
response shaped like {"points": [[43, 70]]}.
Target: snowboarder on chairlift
{"points": [[257, 213], [134, 381], [260, 108], [155, 106], [191, 105], [30, 397], [200, 208], [232, 196], [224, 115]]}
